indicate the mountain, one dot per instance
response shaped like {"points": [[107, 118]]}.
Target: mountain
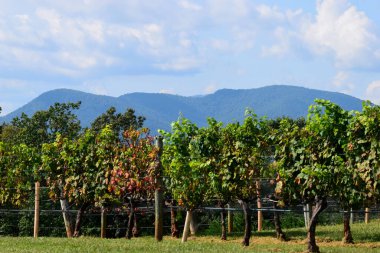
{"points": [[161, 109]]}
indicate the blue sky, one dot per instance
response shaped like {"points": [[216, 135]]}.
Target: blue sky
{"points": [[187, 47]]}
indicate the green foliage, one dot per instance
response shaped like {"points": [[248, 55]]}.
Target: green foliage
{"points": [[43, 126], [98, 168], [215, 161], [134, 167], [363, 150], [117, 121], [17, 166], [333, 156], [183, 167]]}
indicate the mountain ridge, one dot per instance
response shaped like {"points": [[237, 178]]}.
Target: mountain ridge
{"points": [[161, 109]]}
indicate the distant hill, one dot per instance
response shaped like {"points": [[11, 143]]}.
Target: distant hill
{"points": [[161, 109]]}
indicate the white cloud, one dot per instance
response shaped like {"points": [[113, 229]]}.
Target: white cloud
{"points": [[220, 44], [94, 29], [78, 60], [373, 92], [68, 31], [341, 29], [25, 57], [79, 40], [243, 38], [240, 39], [189, 5], [95, 89], [181, 64], [147, 38], [274, 13], [275, 50], [269, 12], [12, 84], [282, 28], [342, 82], [167, 91], [229, 11], [282, 47], [340, 78], [210, 89]]}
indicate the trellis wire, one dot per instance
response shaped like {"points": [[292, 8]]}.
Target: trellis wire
{"points": [[148, 210]]}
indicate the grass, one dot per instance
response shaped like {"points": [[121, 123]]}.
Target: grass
{"points": [[366, 236]]}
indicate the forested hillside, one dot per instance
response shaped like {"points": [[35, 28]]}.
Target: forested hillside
{"points": [[161, 109]]}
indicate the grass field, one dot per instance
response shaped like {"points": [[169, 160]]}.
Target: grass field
{"points": [[366, 236]]}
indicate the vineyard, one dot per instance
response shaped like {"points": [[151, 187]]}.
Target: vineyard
{"points": [[258, 167]]}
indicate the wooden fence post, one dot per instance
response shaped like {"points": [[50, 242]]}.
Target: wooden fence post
{"points": [[103, 222], [66, 217], [259, 206], [351, 216], [366, 217], [186, 228], [305, 216], [307, 211], [230, 219], [36, 209], [158, 194]]}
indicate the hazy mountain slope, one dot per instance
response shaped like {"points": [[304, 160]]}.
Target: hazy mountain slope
{"points": [[161, 109], [272, 101]]}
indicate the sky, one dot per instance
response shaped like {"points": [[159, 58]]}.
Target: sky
{"points": [[187, 47]]}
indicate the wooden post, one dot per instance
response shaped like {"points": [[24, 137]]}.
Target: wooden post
{"points": [[36, 209], [259, 206], [307, 211], [230, 220], [103, 222], [194, 223], [186, 228], [66, 217], [351, 216], [158, 195], [366, 217], [305, 216]]}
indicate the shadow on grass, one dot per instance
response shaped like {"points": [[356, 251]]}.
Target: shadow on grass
{"points": [[361, 232]]}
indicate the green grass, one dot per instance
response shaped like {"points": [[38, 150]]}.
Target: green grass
{"points": [[367, 238]]}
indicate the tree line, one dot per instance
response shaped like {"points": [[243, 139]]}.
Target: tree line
{"points": [[332, 154]]}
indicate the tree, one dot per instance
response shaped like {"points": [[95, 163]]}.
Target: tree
{"points": [[134, 171], [9, 134], [80, 182], [118, 122], [43, 126], [185, 171], [62, 120], [18, 166], [335, 126], [206, 149], [245, 156], [55, 170], [312, 161], [30, 131], [362, 150], [294, 150], [210, 147]]}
